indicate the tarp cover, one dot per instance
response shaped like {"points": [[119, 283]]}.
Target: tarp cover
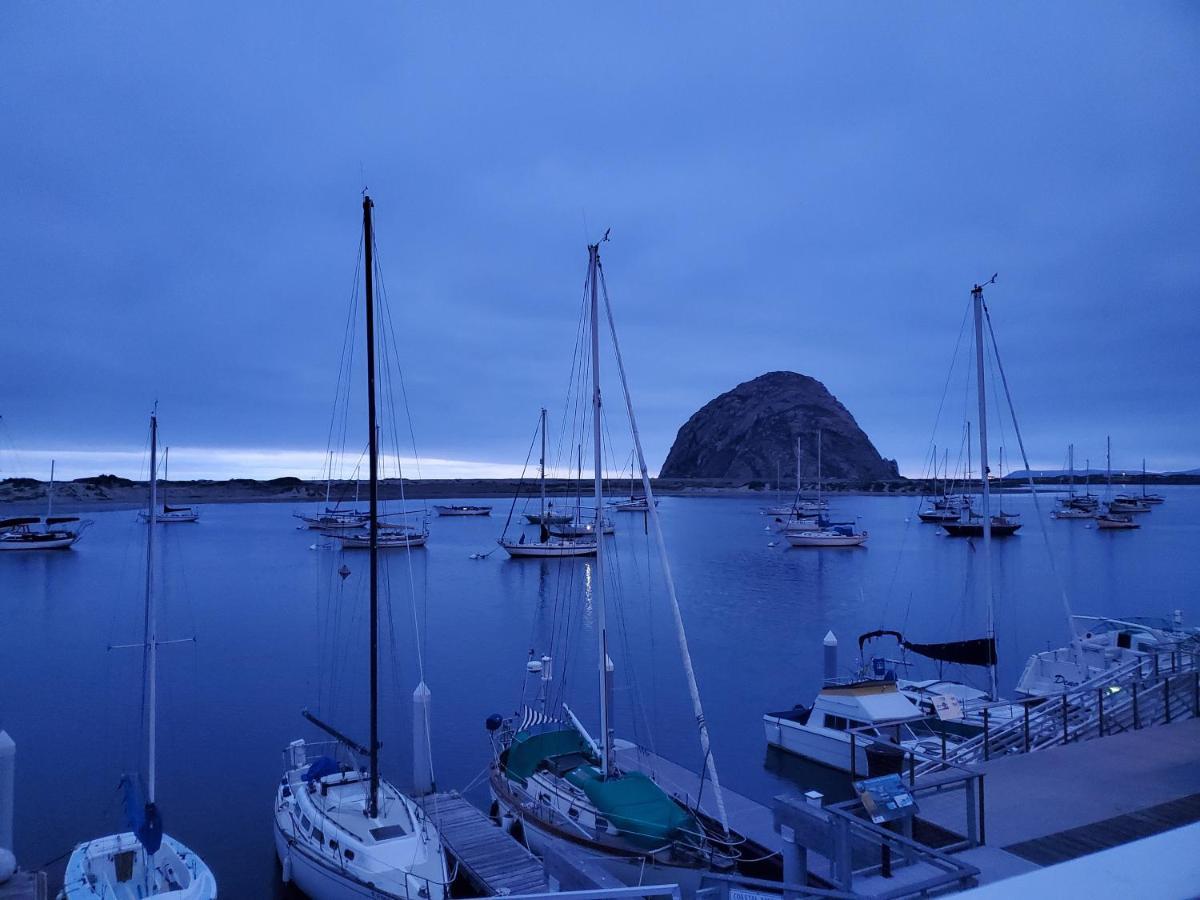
{"points": [[637, 806], [973, 652], [527, 751], [144, 819]]}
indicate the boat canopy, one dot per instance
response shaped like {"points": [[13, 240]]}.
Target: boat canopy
{"points": [[24, 520], [973, 652], [637, 806], [61, 520], [867, 702], [171, 509], [528, 751]]}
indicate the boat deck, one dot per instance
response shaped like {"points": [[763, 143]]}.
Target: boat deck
{"points": [[496, 863]]}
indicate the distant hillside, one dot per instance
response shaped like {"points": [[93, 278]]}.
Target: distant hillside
{"points": [[750, 433]]}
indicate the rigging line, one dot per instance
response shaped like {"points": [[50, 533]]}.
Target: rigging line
{"points": [[1062, 588], [521, 481], [693, 687]]}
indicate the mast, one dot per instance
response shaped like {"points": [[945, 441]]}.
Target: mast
{"points": [[329, 479], [945, 472], [1108, 467], [819, 517], [166, 474], [1143, 476], [151, 619], [542, 464], [50, 493], [598, 478], [652, 513], [1071, 463], [796, 505], [985, 487], [373, 445]]}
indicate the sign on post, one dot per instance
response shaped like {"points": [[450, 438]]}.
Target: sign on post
{"points": [[886, 798]]}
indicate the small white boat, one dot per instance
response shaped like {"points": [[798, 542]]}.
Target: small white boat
{"points": [[1112, 522], [1072, 512], [551, 547], [463, 510], [821, 732], [143, 862], [334, 519], [38, 533], [549, 517], [117, 866], [1124, 505], [388, 537], [831, 536], [633, 504], [1100, 644], [170, 514]]}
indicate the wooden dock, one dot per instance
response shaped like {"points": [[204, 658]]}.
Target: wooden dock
{"points": [[495, 862], [24, 886]]}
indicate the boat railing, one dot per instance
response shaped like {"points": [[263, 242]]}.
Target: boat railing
{"points": [[1158, 687]]}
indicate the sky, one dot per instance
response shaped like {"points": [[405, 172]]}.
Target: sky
{"points": [[802, 186]]}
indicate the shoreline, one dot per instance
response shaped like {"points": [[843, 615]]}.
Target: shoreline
{"points": [[28, 496]]}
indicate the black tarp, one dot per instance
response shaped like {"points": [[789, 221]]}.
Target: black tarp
{"points": [[973, 652]]}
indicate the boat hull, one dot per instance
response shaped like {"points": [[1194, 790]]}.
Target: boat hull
{"points": [[827, 749], [534, 550], [963, 529], [463, 510], [821, 539], [77, 885], [51, 543]]}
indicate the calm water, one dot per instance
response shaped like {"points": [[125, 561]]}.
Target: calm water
{"points": [[277, 629]]}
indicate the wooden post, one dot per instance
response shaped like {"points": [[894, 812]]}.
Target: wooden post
{"points": [[987, 738], [912, 768], [982, 814], [1100, 708], [1136, 722], [1167, 700], [1064, 712], [1026, 706]]}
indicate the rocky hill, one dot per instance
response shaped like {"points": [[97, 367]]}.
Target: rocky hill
{"points": [[744, 433]]}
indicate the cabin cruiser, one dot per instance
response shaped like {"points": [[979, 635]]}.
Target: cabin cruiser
{"points": [[875, 707], [1101, 644]]}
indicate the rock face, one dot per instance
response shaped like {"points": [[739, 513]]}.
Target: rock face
{"points": [[743, 434]]}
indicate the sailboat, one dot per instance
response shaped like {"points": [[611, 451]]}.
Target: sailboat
{"points": [[967, 702], [581, 525], [1149, 498], [337, 517], [633, 503], [41, 532], [941, 507], [143, 862], [565, 786], [341, 831], [547, 546], [826, 533], [168, 513], [1117, 515], [1071, 507]]}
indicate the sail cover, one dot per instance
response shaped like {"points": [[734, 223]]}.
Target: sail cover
{"points": [[144, 818], [972, 652]]}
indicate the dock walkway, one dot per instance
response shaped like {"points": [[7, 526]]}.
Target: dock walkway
{"points": [[494, 861]]}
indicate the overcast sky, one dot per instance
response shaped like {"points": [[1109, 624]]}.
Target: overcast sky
{"points": [[796, 186]]}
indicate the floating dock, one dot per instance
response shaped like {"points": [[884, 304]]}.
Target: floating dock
{"points": [[495, 862]]}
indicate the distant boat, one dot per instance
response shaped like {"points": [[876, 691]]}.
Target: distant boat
{"points": [[825, 534], [170, 514], [971, 525], [388, 537], [546, 545], [41, 532], [1120, 507], [463, 510], [943, 507], [342, 831], [577, 529], [143, 862], [633, 503], [335, 518]]}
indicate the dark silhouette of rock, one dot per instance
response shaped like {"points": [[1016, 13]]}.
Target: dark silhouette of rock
{"points": [[742, 434]]}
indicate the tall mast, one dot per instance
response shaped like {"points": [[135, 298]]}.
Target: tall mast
{"points": [[151, 618], [328, 479], [542, 464], [1143, 476], [373, 445], [1071, 463], [818, 474], [598, 478], [1108, 467], [798, 440], [166, 474], [50, 493], [985, 487]]}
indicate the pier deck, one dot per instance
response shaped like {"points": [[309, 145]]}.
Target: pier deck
{"points": [[1066, 802], [495, 861], [24, 886]]}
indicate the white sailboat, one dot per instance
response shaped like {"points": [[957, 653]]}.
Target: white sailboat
{"points": [[633, 503], [565, 786], [462, 509], [825, 534], [341, 831], [143, 862], [1070, 506], [1116, 516], [42, 532], [334, 518], [546, 546], [171, 514]]}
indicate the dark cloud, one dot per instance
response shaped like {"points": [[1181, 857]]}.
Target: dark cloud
{"points": [[789, 186]]}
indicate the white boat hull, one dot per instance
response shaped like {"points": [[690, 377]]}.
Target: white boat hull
{"points": [[51, 544], [463, 510], [554, 549], [824, 539], [828, 748]]}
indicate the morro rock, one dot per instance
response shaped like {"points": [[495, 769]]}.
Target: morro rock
{"points": [[745, 433]]}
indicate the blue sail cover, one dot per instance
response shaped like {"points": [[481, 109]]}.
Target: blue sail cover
{"points": [[143, 817]]}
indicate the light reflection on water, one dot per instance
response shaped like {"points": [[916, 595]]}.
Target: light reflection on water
{"points": [[278, 630]]}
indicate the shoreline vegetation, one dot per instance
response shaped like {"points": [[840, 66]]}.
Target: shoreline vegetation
{"points": [[27, 496]]}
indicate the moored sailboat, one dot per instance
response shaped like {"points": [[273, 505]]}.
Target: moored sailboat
{"points": [[47, 532], [341, 831], [143, 862]]}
